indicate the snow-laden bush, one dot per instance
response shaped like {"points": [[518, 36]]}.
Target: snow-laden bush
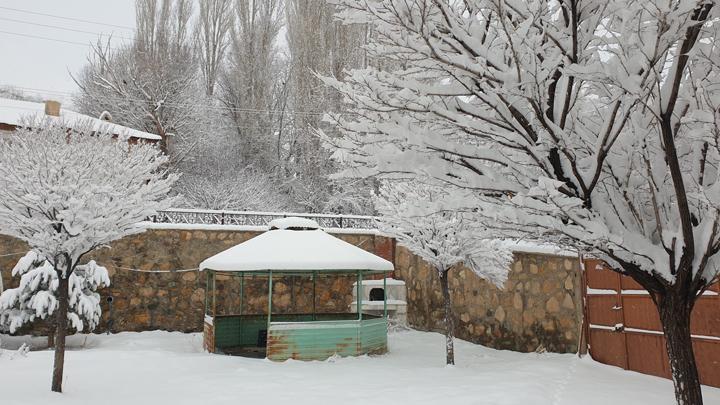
{"points": [[36, 296]]}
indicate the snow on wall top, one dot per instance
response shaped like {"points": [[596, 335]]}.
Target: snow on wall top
{"points": [[521, 246], [282, 249], [18, 112], [293, 222]]}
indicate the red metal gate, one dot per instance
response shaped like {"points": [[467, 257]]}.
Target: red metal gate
{"points": [[624, 327]]}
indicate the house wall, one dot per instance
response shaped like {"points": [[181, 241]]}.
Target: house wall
{"points": [[540, 306], [6, 129]]}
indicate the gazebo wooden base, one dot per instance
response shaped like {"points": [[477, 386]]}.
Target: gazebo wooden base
{"points": [[300, 337]]}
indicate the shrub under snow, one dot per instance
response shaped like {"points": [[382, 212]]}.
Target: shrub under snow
{"points": [[36, 296]]}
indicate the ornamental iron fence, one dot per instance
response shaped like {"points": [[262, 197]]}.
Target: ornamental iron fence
{"points": [[253, 218]]}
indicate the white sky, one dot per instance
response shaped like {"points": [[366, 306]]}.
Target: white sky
{"points": [[44, 65]]}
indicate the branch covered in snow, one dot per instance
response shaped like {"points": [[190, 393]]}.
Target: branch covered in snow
{"points": [[417, 215], [67, 193], [591, 124], [36, 296]]}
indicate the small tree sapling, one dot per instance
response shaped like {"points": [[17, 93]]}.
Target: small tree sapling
{"points": [[415, 213], [37, 295]]}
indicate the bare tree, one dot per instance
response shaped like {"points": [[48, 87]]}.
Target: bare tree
{"points": [[151, 84], [251, 84], [244, 190], [318, 44], [214, 22]]}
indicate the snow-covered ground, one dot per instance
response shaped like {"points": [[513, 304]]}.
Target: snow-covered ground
{"points": [[171, 368]]}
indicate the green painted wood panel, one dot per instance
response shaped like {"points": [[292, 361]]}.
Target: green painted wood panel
{"points": [[226, 332], [373, 336], [297, 336], [235, 331], [320, 340]]}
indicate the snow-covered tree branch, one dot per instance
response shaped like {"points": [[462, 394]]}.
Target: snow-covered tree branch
{"points": [[37, 295], [593, 124], [68, 192]]}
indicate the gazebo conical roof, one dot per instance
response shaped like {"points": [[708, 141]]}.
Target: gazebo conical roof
{"points": [[293, 245]]}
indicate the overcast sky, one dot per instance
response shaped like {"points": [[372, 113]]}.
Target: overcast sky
{"points": [[44, 65]]}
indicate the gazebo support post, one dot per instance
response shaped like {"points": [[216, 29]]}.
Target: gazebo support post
{"points": [[270, 281], [359, 294], [314, 276], [242, 293], [214, 295], [385, 296], [207, 291]]}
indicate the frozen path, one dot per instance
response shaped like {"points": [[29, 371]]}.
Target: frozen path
{"points": [[171, 368]]}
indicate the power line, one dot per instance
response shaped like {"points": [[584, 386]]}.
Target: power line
{"points": [[125, 27], [99, 34], [60, 28], [47, 39], [36, 90]]}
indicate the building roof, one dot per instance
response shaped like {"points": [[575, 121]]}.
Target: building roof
{"points": [[18, 113], [295, 250]]}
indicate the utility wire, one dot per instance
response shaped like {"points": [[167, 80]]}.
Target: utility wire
{"points": [[49, 39], [125, 27], [61, 28], [99, 34], [36, 90], [154, 271]]}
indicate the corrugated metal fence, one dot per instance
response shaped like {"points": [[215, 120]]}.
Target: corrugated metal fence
{"points": [[624, 326]]}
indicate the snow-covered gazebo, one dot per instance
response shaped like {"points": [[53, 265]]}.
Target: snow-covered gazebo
{"points": [[292, 247]]}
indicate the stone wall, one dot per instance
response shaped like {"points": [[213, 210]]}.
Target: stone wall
{"points": [[539, 307], [176, 301]]}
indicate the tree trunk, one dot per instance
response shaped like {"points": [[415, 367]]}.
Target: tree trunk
{"points": [[51, 337], [60, 332], [449, 324], [675, 311]]}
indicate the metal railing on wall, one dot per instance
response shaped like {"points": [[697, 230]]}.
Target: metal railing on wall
{"points": [[255, 218]]}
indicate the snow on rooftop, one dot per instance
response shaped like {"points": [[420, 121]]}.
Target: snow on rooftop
{"points": [[18, 112], [284, 249], [293, 223]]}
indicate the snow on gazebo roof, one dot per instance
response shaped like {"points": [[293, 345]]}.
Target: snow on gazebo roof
{"points": [[293, 223], [295, 244]]}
